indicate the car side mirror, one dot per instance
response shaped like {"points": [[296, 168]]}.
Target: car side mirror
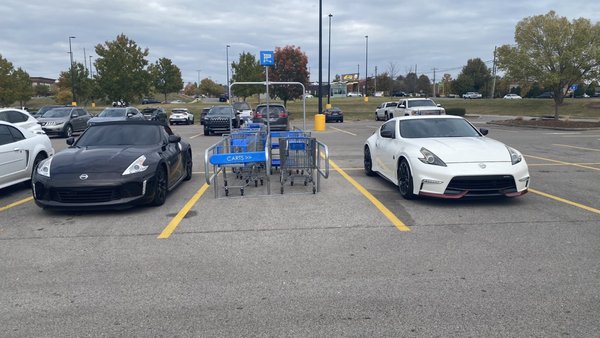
{"points": [[439, 105], [70, 141], [73, 115], [174, 138], [387, 134], [129, 114], [401, 106], [483, 131]]}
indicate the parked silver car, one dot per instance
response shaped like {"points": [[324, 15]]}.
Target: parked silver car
{"points": [[64, 121]]}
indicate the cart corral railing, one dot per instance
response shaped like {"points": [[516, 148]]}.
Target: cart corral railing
{"points": [[255, 164]]}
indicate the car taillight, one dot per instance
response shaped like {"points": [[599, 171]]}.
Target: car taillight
{"points": [[283, 114], [259, 115]]}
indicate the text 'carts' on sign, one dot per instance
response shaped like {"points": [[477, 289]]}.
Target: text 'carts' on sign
{"points": [[267, 58]]}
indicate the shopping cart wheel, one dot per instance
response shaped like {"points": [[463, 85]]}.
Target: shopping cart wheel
{"points": [[261, 182], [255, 183], [282, 190], [314, 190], [242, 191], [226, 192], [225, 183], [305, 183], [292, 182]]}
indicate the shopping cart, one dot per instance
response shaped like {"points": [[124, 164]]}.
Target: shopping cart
{"points": [[298, 160]]}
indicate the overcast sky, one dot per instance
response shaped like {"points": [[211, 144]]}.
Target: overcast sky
{"points": [[194, 33]]}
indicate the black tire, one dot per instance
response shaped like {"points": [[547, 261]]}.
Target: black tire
{"points": [[39, 158], [405, 182], [386, 117], [160, 187], [68, 132], [368, 163], [206, 131], [170, 123], [188, 167], [376, 117], [342, 120]]}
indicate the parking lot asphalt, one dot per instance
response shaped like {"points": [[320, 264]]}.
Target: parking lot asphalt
{"points": [[328, 264]]}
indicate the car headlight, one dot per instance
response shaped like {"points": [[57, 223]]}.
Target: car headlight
{"points": [[431, 158], [136, 167], [515, 156], [44, 167]]}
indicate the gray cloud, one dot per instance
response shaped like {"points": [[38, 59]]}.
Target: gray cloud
{"points": [[430, 34]]}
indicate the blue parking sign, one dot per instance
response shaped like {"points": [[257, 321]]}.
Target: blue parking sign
{"points": [[267, 58]]}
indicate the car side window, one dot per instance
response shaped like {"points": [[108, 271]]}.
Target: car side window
{"points": [[16, 134], [15, 117], [388, 130], [5, 135]]}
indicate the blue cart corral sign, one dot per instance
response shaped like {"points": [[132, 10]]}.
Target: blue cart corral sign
{"points": [[267, 58]]}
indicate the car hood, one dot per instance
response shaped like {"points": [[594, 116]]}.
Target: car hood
{"points": [[106, 119], [96, 159], [465, 149], [52, 119]]}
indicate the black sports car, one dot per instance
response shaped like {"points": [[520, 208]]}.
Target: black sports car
{"points": [[121, 163]]}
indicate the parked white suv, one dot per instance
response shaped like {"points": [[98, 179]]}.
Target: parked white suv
{"points": [[418, 106]]}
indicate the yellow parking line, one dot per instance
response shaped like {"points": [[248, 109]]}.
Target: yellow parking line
{"points": [[25, 200], [166, 233], [556, 198], [562, 162], [558, 164], [574, 147], [397, 222]]}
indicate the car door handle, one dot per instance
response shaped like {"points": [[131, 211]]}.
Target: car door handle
{"points": [[18, 149]]}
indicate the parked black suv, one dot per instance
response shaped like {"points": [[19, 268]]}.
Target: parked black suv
{"points": [[155, 114], [219, 119], [278, 116]]}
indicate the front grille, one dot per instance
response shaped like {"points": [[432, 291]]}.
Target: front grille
{"points": [[96, 195], [430, 112], [482, 185]]}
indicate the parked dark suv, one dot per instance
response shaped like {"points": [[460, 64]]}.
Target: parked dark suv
{"points": [[278, 116], [64, 120], [219, 119], [155, 114]]}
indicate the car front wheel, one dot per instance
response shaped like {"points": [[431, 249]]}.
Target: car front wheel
{"points": [[68, 131], [188, 167], [405, 182], [368, 163], [160, 187]]}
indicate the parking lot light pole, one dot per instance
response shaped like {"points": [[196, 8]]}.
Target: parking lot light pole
{"points": [[329, 65], [228, 84], [74, 103], [366, 67]]}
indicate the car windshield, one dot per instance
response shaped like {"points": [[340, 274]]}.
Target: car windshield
{"points": [[120, 135], [113, 112], [421, 103], [220, 111], [179, 111], [149, 111], [241, 106], [57, 112], [272, 110], [426, 128]]}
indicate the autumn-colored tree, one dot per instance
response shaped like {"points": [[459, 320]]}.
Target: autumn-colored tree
{"points": [[290, 66], [190, 89], [553, 51]]}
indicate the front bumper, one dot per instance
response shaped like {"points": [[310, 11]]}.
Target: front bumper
{"points": [[53, 129], [98, 191], [480, 179]]}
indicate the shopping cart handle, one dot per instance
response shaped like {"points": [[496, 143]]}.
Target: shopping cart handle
{"points": [[238, 158]]}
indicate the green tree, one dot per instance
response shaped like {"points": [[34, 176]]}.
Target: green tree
{"points": [[247, 69], [7, 91], [384, 82], [474, 77], [424, 85], [290, 66], [166, 76], [122, 69], [22, 86], [410, 81], [553, 51], [41, 90], [210, 88], [84, 86], [591, 88]]}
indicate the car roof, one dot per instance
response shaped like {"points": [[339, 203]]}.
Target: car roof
{"points": [[417, 117], [122, 122]]}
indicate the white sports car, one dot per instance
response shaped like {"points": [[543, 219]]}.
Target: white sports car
{"points": [[20, 152], [444, 156]]}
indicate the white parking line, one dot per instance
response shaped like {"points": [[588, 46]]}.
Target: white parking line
{"points": [[191, 137], [343, 131]]}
